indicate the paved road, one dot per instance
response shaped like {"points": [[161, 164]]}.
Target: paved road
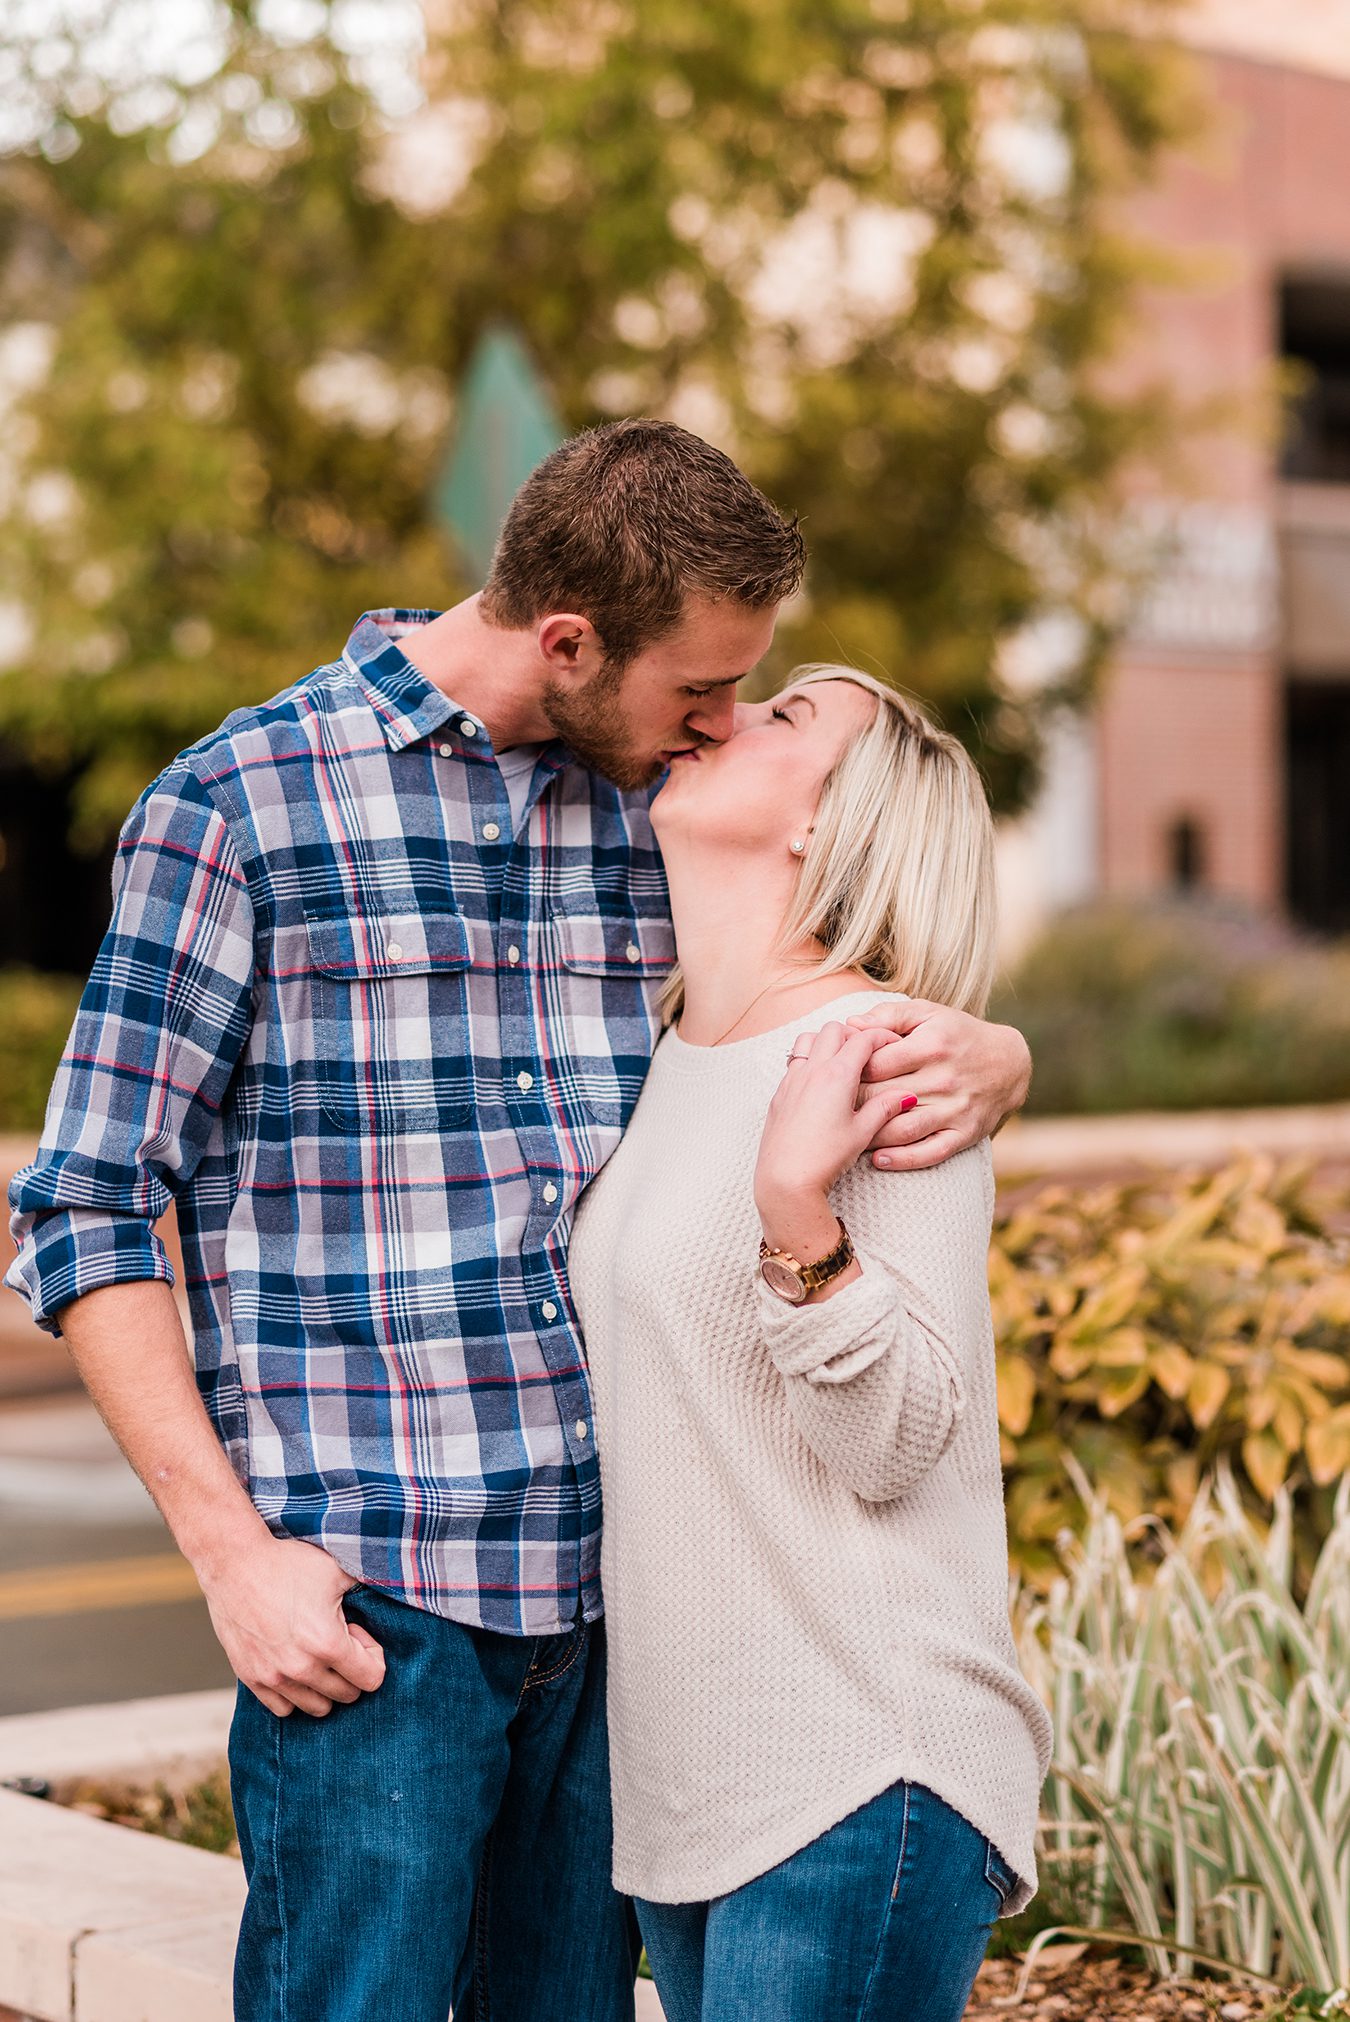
{"points": [[95, 1603]]}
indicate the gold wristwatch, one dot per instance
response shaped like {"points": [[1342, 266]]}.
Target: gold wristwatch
{"points": [[794, 1281]]}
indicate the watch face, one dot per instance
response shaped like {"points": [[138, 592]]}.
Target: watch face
{"points": [[781, 1278]]}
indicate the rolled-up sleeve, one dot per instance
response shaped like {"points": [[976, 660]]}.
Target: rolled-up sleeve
{"points": [[158, 1034], [876, 1377]]}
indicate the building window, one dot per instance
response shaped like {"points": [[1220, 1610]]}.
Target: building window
{"points": [[1186, 853], [1315, 341], [1318, 803]]}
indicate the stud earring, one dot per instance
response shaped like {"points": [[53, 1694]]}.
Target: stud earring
{"points": [[797, 846]]}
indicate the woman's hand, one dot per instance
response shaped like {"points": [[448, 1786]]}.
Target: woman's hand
{"points": [[820, 1122]]}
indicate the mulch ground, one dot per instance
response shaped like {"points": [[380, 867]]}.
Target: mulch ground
{"points": [[1068, 1986]]}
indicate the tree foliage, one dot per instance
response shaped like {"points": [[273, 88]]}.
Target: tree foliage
{"points": [[872, 246]]}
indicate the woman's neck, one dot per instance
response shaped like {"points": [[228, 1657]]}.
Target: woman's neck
{"points": [[739, 980]]}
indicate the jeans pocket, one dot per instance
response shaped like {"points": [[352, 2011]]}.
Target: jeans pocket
{"points": [[998, 1874]]}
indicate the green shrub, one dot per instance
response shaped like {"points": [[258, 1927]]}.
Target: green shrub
{"points": [[1180, 1006], [35, 1019], [1147, 1331]]}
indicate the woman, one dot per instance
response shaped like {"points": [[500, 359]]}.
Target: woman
{"points": [[826, 1763]]}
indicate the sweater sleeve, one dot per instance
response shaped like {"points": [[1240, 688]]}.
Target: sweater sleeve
{"points": [[876, 1376]]}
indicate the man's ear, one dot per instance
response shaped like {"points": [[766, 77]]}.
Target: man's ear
{"points": [[570, 647]]}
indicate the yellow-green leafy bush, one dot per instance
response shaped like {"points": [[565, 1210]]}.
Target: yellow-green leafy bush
{"points": [[36, 1013], [1149, 1329], [1180, 1005]]}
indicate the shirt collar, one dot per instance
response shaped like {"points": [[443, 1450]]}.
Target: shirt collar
{"points": [[408, 706]]}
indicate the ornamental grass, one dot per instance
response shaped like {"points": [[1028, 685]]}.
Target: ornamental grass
{"points": [[1199, 1798]]}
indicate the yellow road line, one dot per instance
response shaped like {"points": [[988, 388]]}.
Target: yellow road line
{"points": [[93, 1584]]}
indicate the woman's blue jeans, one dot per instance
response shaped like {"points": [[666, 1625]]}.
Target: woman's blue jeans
{"points": [[885, 1918], [445, 1839]]}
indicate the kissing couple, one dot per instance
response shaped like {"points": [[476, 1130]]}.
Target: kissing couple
{"points": [[570, 1078]]}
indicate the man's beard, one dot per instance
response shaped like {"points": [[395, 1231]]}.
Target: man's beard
{"points": [[595, 728]]}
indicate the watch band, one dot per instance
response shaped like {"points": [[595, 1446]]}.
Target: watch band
{"points": [[794, 1281]]}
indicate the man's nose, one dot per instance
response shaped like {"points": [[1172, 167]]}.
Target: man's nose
{"points": [[715, 716]]}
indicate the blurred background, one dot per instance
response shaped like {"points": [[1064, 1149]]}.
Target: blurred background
{"points": [[1038, 311]]}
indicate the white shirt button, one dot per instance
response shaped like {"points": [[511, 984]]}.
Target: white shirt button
{"points": [[467, 728], [395, 951], [513, 954], [524, 1080], [491, 830], [583, 1430], [633, 952], [550, 1193], [549, 1310], [446, 750]]}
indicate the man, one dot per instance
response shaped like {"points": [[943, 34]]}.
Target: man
{"points": [[375, 1003]]}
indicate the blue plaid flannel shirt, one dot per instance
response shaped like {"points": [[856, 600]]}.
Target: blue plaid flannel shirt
{"points": [[372, 1045]]}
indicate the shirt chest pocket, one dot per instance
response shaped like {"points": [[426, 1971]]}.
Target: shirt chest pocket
{"points": [[391, 1015], [612, 968]]}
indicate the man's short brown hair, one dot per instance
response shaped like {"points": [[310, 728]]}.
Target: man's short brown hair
{"points": [[622, 523]]}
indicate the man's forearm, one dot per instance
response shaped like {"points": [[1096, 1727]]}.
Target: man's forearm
{"points": [[129, 1347], [1020, 1066], [276, 1603]]}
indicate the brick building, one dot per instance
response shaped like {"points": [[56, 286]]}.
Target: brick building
{"points": [[1219, 755]]}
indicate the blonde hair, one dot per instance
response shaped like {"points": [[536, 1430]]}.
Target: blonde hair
{"points": [[898, 876]]}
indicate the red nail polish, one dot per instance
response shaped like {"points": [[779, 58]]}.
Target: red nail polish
{"points": [[908, 1102]]}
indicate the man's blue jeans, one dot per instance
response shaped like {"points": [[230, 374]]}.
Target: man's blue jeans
{"points": [[444, 1840], [885, 1918]]}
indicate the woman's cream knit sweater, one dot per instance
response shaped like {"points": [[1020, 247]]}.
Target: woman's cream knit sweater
{"points": [[805, 1556]]}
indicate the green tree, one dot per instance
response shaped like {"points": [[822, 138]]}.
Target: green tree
{"points": [[872, 245], [196, 510]]}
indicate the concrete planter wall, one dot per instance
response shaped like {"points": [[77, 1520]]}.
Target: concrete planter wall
{"points": [[1064, 1145], [99, 1923]]}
